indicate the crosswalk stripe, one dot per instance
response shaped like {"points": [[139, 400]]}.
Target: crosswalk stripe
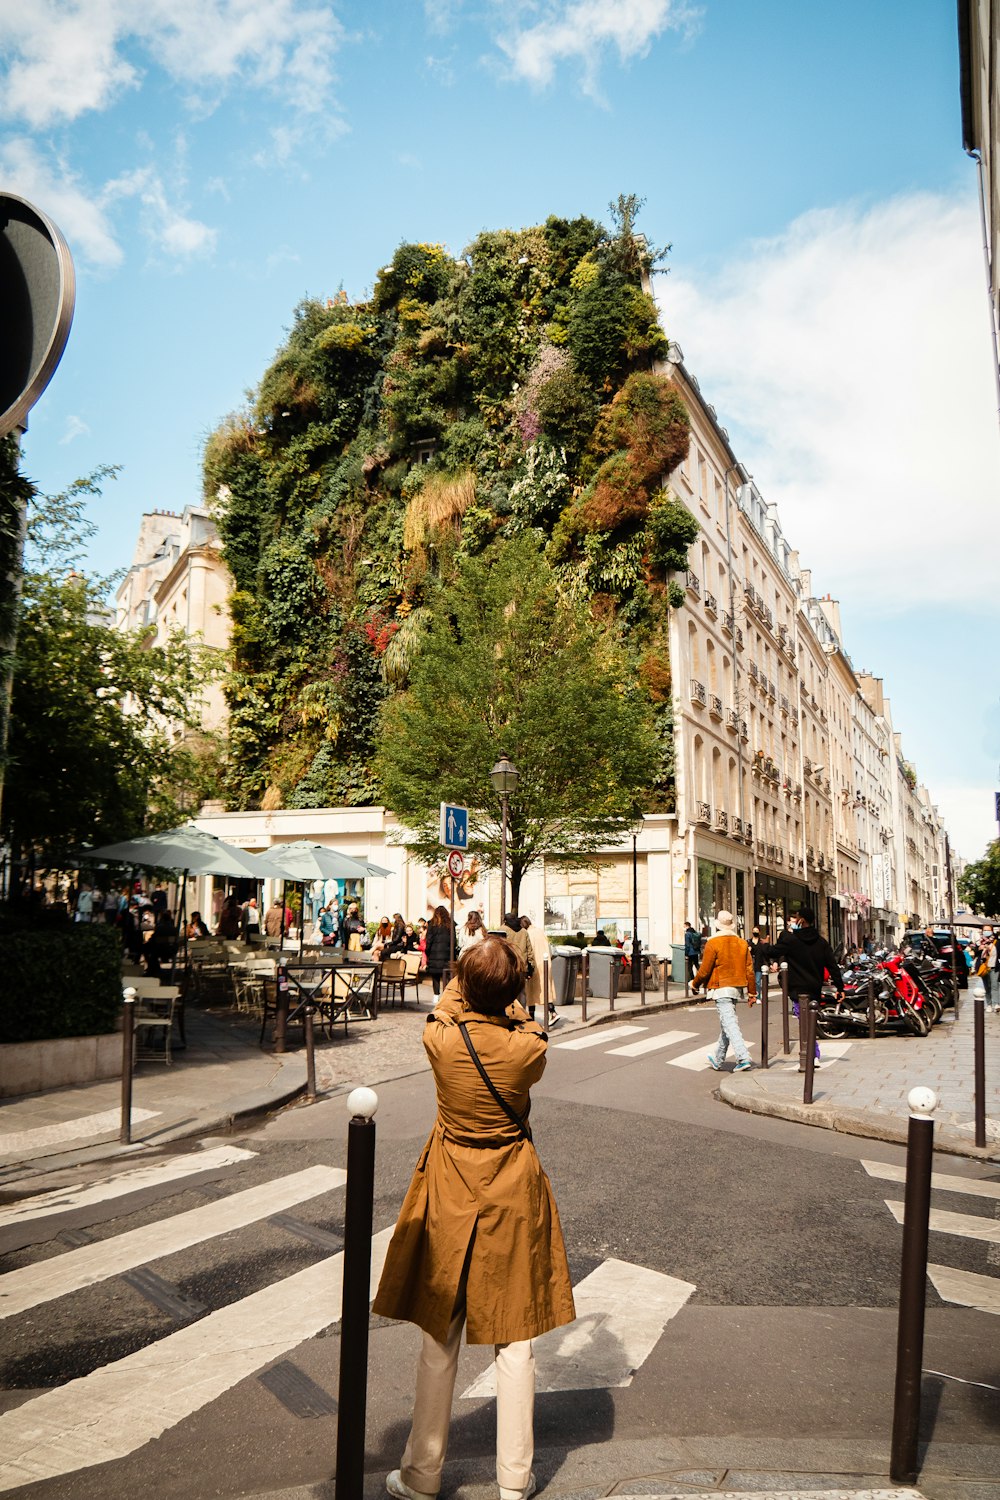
{"points": [[830, 1052], [621, 1312], [16, 1141], [599, 1038], [64, 1200], [115, 1410], [787, 1495], [651, 1044], [697, 1061], [31, 1285], [889, 1172], [969, 1226], [966, 1288]]}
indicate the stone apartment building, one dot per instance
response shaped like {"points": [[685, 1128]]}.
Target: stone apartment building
{"points": [[178, 582]]}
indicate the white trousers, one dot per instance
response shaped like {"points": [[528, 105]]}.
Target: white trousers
{"points": [[427, 1445]]}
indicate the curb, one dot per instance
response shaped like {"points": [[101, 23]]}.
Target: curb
{"points": [[290, 1083], [748, 1096]]}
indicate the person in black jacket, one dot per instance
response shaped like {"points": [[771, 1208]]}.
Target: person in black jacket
{"points": [[439, 945], [809, 957]]}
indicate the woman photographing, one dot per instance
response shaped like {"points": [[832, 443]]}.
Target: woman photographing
{"points": [[478, 1241]]}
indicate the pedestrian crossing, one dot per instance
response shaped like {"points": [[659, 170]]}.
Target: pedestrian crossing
{"points": [[107, 1413], [694, 1060], [955, 1284]]}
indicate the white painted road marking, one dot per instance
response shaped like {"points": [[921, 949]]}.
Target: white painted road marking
{"points": [[697, 1061], [966, 1288], [600, 1037], [969, 1226], [115, 1410], [788, 1495], [651, 1044], [830, 1052], [65, 1200], [31, 1285], [888, 1172], [69, 1130], [621, 1312]]}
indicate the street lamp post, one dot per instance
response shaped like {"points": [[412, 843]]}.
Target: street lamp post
{"points": [[636, 945], [504, 777]]}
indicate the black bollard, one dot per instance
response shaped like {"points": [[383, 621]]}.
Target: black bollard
{"points": [[310, 1053], [584, 982], [642, 981], [764, 1059], [807, 1022], [912, 1287], [545, 994], [128, 1050], [871, 1007], [979, 1060], [281, 1008], [785, 1038], [352, 1399]]}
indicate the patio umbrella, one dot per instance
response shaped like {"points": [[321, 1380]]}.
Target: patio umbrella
{"points": [[302, 862], [188, 849]]}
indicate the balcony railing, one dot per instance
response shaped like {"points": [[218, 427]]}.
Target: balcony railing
{"points": [[698, 692], [752, 670], [736, 827], [703, 813], [711, 604], [744, 730], [732, 720], [694, 585], [761, 849], [721, 820], [739, 639], [728, 623], [748, 833], [715, 706]]}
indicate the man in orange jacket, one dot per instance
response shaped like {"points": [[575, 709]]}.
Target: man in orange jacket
{"points": [[726, 971]]}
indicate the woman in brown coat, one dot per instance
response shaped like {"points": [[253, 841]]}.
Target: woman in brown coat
{"points": [[478, 1240]]}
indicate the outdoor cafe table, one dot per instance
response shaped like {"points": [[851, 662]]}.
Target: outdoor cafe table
{"points": [[336, 988]]}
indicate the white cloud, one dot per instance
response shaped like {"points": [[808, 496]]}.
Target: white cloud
{"points": [[68, 57], [851, 355], [79, 214], [75, 427], [165, 226], [582, 31]]}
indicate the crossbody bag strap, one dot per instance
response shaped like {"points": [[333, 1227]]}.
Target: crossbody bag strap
{"points": [[508, 1109]]}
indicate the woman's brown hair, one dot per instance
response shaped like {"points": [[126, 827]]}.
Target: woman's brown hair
{"points": [[491, 975], [440, 917]]}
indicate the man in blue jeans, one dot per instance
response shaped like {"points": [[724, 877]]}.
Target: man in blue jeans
{"points": [[726, 970]]}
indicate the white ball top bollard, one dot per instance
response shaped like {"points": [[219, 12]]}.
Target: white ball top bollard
{"points": [[362, 1104], [978, 991], [923, 1102], [129, 994]]}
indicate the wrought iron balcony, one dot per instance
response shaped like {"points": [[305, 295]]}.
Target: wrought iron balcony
{"points": [[694, 585], [715, 706], [703, 813]]}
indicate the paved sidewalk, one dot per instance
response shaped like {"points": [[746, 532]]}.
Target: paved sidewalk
{"points": [[864, 1092]]}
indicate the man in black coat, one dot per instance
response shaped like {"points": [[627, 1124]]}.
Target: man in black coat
{"points": [[809, 957]]}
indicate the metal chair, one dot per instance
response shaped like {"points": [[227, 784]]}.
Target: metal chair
{"points": [[154, 1014], [392, 981]]}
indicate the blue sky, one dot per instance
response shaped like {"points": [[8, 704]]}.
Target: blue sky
{"points": [[213, 161]]}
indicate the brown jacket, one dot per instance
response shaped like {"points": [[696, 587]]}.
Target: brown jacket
{"points": [[479, 1192], [727, 960]]}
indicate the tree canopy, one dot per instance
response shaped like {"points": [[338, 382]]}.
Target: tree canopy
{"points": [[510, 663], [979, 883], [91, 755], [467, 402]]}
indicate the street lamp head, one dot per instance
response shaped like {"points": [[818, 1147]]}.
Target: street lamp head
{"points": [[504, 776], [636, 825]]}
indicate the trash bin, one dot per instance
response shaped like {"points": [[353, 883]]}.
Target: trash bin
{"points": [[678, 968], [605, 967], [566, 964]]}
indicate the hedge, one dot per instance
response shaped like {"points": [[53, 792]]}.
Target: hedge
{"points": [[59, 981]]}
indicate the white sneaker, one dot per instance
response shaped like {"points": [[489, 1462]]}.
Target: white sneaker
{"points": [[395, 1486], [525, 1494]]}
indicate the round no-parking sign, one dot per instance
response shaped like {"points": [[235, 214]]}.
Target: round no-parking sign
{"points": [[456, 864]]}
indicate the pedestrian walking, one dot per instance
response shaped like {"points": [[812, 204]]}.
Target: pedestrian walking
{"points": [[472, 931], [533, 979], [692, 952], [986, 966], [726, 970], [274, 921], [478, 1241], [518, 938], [439, 946], [758, 947], [809, 958]]}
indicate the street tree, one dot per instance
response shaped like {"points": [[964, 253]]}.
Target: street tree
{"points": [[979, 883], [93, 754], [508, 663]]}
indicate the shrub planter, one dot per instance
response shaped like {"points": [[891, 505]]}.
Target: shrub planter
{"points": [[34, 1067]]}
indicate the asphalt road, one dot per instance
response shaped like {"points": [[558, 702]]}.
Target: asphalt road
{"points": [[781, 1358]]}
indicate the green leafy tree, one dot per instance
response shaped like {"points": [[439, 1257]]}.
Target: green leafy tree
{"points": [[91, 754], [979, 883], [509, 664]]}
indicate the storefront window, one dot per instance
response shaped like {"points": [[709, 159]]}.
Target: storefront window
{"points": [[713, 891]]}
